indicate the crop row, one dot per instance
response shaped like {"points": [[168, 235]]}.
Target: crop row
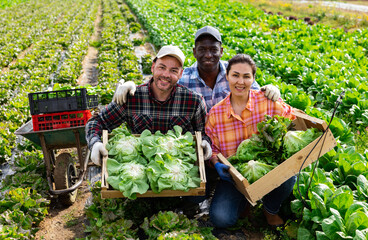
{"points": [[35, 70], [317, 61], [116, 60], [29, 26]]}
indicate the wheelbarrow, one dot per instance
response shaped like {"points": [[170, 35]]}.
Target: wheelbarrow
{"points": [[62, 175]]}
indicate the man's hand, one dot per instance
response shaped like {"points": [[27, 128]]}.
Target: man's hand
{"points": [[98, 150], [223, 171], [271, 92], [207, 150], [120, 96]]}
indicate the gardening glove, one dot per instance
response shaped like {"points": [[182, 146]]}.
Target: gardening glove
{"points": [[271, 92], [98, 149], [207, 150], [223, 171], [121, 93]]}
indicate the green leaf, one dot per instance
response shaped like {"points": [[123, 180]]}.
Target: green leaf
{"points": [[356, 221], [304, 234]]}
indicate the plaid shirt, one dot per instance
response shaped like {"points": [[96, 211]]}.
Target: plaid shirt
{"points": [[193, 81], [227, 129], [142, 111]]}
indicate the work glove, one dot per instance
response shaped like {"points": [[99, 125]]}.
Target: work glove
{"points": [[223, 171], [207, 150], [271, 92], [98, 150], [121, 93]]}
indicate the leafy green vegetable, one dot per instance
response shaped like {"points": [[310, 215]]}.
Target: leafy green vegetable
{"points": [[251, 149], [294, 141], [129, 177], [20, 209], [169, 225], [272, 131], [259, 154], [124, 147], [253, 170], [172, 173], [157, 161], [174, 143]]}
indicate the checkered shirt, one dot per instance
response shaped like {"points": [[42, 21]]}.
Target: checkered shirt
{"points": [[227, 129], [142, 111]]}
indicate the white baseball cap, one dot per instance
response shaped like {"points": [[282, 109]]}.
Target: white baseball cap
{"points": [[173, 51]]}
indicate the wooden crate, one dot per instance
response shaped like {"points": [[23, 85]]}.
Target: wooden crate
{"points": [[108, 192], [290, 167]]}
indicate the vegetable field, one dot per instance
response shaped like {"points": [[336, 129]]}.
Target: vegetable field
{"points": [[43, 44]]}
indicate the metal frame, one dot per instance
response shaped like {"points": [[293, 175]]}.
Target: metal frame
{"points": [[51, 140]]}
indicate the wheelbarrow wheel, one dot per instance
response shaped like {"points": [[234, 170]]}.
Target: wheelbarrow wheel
{"points": [[65, 175]]}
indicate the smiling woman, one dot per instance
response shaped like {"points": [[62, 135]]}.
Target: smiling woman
{"points": [[240, 75], [231, 121]]}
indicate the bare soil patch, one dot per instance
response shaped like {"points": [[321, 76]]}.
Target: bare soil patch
{"points": [[65, 222], [90, 62]]}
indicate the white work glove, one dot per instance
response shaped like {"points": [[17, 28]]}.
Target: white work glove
{"points": [[98, 150], [271, 92], [207, 150], [121, 93]]}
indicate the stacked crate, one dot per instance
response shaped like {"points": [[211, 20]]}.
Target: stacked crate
{"points": [[61, 109]]}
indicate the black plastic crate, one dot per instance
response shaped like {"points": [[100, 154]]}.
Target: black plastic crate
{"points": [[61, 101], [92, 101]]}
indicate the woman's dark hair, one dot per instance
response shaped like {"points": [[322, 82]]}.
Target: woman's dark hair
{"points": [[242, 58]]}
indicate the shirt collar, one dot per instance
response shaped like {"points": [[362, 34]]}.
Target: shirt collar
{"points": [[250, 104], [195, 73]]}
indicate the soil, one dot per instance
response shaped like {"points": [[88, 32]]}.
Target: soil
{"points": [[65, 223], [90, 62]]}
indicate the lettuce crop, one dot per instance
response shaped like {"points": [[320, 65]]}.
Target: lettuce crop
{"points": [[171, 225], [260, 153], [253, 170], [294, 141], [129, 177], [152, 161], [172, 173], [174, 143], [124, 146]]}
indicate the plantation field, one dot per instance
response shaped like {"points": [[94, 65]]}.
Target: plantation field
{"points": [[44, 44]]}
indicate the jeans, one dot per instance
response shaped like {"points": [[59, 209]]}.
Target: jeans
{"points": [[228, 203]]}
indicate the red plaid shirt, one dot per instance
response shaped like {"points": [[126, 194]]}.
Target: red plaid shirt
{"points": [[227, 129]]}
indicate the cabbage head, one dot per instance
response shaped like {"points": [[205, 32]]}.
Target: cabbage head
{"points": [[128, 177], [124, 148], [174, 143], [172, 173], [294, 141], [251, 149], [253, 170]]}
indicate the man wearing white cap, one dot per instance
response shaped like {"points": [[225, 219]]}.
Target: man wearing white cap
{"points": [[159, 104]]}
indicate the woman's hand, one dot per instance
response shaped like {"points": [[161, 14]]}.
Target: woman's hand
{"points": [[223, 171]]}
